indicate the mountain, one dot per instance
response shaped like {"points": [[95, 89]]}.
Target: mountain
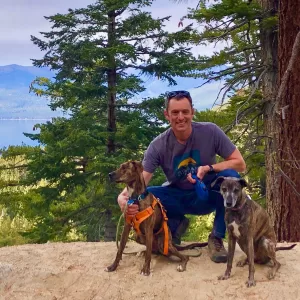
{"points": [[15, 99], [17, 77]]}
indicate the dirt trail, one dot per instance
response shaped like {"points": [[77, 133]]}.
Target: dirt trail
{"points": [[57, 271]]}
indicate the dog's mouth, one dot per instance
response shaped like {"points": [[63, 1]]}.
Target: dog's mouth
{"points": [[117, 178], [113, 177]]}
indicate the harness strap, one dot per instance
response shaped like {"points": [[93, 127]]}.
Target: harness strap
{"points": [[135, 222]]}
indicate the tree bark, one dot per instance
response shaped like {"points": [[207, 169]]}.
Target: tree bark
{"points": [[286, 211], [112, 77], [269, 44]]}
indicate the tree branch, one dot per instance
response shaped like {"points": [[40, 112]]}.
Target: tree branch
{"points": [[294, 57]]}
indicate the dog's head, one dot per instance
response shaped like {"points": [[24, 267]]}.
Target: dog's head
{"points": [[127, 173], [231, 189]]}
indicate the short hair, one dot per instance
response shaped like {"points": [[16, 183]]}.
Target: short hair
{"points": [[178, 95]]}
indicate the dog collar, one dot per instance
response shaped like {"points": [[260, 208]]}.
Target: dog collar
{"points": [[138, 198], [239, 207]]}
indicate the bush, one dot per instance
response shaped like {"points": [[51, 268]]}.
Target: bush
{"points": [[200, 227]]}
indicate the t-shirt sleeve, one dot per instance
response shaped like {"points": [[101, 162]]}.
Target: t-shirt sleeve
{"points": [[223, 145], [151, 159]]}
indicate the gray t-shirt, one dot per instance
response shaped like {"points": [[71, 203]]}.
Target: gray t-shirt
{"points": [[177, 160]]}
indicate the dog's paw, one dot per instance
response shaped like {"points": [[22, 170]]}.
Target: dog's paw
{"points": [[145, 271], [223, 277], [270, 274], [140, 254], [110, 268], [180, 268], [250, 282], [241, 263]]}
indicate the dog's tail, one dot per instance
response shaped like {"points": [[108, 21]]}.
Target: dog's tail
{"points": [[191, 246], [286, 248]]}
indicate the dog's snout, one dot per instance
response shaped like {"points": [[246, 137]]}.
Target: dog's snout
{"points": [[111, 176], [228, 200]]}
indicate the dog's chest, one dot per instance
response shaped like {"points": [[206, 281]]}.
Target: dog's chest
{"points": [[234, 228]]}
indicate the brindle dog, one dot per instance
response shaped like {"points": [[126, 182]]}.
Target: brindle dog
{"points": [[249, 225], [131, 174]]}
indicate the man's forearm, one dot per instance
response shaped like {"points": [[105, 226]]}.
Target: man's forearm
{"points": [[235, 164], [234, 161], [147, 177]]}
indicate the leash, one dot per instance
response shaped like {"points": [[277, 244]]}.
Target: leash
{"points": [[123, 216], [118, 231]]}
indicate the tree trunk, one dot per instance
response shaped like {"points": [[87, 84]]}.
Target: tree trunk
{"points": [[269, 43], [112, 77], [287, 210]]}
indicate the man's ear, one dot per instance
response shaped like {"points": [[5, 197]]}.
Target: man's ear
{"points": [[166, 115]]}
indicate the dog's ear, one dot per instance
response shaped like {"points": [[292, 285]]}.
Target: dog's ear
{"points": [[219, 180], [243, 182], [138, 166]]}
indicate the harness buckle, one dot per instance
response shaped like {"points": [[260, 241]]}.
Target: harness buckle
{"points": [[130, 202]]}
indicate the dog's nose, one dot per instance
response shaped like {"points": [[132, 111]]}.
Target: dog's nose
{"points": [[228, 204], [110, 175]]}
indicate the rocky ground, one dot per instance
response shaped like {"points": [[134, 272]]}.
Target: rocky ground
{"points": [[76, 271]]}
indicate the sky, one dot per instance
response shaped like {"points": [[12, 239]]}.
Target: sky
{"points": [[19, 19]]}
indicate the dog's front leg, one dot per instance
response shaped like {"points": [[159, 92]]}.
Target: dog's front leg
{"points": [[231, 249], [124, 238], [250, 256], [149, 240]]}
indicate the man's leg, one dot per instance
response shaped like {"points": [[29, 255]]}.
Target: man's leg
{"points": [[172, 200]]}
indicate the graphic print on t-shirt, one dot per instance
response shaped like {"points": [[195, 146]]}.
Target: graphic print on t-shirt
{"points": [[186, 163]]}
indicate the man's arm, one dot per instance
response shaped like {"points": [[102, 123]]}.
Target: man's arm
{"points": [[147, 177], [233, 161]]}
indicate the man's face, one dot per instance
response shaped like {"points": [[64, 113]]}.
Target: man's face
{"points": [[179, 114]]}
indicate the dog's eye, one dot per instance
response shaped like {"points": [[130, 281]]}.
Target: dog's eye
{"points": [[236, 191], [224, 190]]}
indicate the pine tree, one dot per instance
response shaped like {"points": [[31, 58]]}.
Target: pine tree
{"points": [[99, 55]]}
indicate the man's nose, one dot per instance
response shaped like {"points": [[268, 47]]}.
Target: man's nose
{"points": [[180, 115]]}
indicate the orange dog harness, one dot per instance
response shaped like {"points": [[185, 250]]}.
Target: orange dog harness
{"points": [[135, 221]]}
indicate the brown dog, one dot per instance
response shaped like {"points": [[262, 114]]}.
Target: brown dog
{"points": [[131, 174], [249, 225]]}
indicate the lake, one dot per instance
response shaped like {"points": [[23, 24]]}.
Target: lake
{"points": [[11, 132]]}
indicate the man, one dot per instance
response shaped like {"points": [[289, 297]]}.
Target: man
{"points": [[189, 148]]}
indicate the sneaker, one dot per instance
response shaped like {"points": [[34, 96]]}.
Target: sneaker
{"points": [[216, 249], [180, 231]]}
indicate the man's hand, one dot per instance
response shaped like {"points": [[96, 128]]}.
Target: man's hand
{"points": [[132, 210], [202, 170]]}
